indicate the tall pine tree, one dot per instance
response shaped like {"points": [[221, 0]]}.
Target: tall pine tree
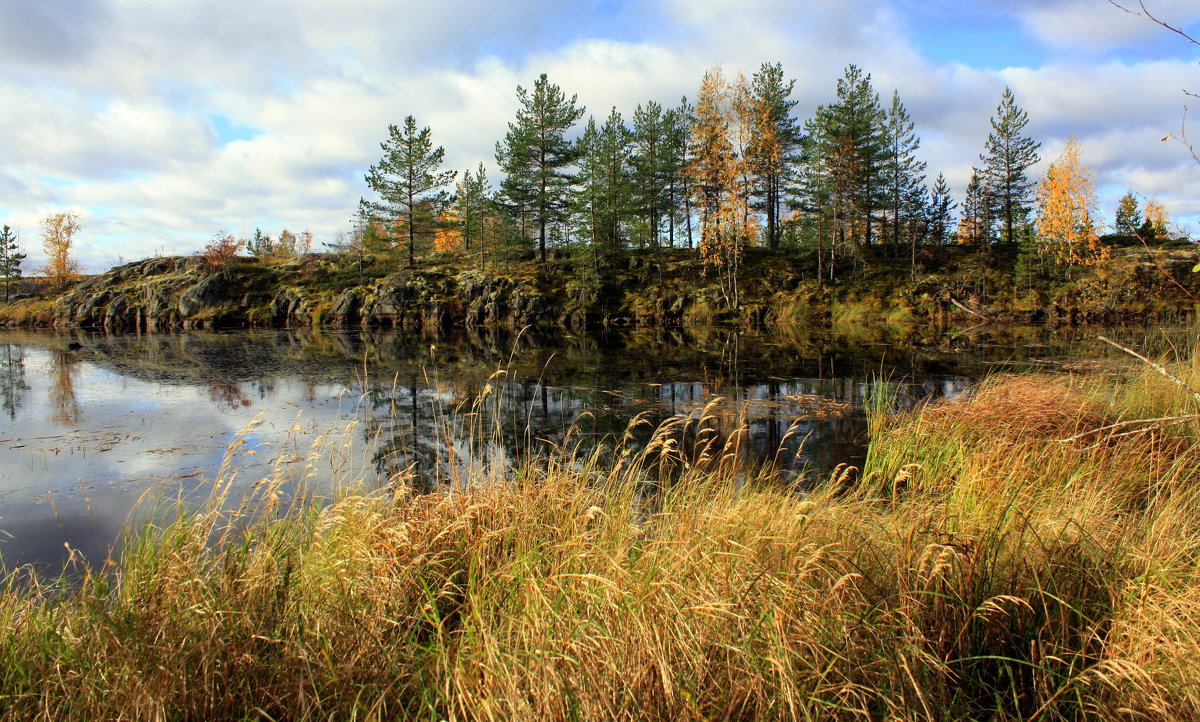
{"points": [[536, 155], [10, 262], [408, 181], [850, 144], [776, 140], [679, 124], [904, 175], [1007, 158], [605, 197], [651, 166]]}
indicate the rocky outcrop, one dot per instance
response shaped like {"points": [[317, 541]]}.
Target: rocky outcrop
{"points": [[150, 294], [414, 301], [349, 291]]}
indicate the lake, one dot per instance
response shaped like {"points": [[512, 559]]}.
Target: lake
{"points": [[97, 429]]}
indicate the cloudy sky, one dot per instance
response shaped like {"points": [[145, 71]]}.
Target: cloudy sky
{"points": [[162, 122]]}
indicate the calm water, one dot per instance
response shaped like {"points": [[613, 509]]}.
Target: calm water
{"points": [[92, 422]]}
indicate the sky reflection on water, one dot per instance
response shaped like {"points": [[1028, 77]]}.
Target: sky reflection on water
{"points": [[90, 423]]}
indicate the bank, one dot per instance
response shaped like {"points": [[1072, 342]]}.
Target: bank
{"points": [[649, 288]]}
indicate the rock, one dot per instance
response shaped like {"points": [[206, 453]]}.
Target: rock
{"points": [[206, 294], [116, 315], [345, 308], [90, 310], [285, 305]]}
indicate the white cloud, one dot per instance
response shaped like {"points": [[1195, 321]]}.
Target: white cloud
{"points": [[1091, 25]]}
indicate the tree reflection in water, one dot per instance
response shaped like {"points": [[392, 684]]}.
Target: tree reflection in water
{"points": [[227, 394], [12, 379], [64, 367]]}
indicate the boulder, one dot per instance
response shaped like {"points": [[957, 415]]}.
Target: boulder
{"points": [[206, 294], [345, 308]]}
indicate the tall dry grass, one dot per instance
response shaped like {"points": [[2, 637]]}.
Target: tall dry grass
{"points": [[991, 563]]}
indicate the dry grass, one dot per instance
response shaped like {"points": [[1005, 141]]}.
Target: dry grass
{"points": [[1013, 407], [985, 569], [37, 311]]}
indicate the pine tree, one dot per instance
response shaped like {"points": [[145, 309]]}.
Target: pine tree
{"points": [[776, 140], [651, 166], [260, 245], [850, 145], [408, 181], [941, 210], [1007, 158], [1129, 216], [679, 123], [10, 262], [605, 199], [975, 224], [471, 212], [535, 155], [820, 224], [904, 175]]}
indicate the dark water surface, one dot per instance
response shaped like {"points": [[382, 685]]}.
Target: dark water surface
{"points": [[91, 422]]}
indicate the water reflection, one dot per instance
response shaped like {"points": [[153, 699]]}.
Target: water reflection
{"points": [[227, 394], [64, 368], [12, 378], [93, 420]]}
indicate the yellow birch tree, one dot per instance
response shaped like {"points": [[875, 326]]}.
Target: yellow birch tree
{"points": [[1067, 211], [1156, 217], [58, 233], [725, 118]]}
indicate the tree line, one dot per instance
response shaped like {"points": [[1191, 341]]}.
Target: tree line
{"points": [[734, 168], [59, 232]]}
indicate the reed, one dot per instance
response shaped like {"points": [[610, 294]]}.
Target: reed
{"points": [[1007, 557]]}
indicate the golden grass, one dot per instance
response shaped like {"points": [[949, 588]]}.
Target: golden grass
{"points": [[984, 569], [27, 311]]}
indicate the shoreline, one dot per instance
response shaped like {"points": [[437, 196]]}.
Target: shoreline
{"points": [[649, 290]]}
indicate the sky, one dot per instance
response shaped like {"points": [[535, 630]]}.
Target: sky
{"points": [[164, 122]]}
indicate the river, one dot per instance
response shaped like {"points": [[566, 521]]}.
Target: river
{"points": [[97, 430]]}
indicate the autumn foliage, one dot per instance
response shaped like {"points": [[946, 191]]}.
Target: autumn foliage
{"points": [[1156, 217], [58, 233], [726, 123], [1067, 211], [220, 251], [448, 236]]}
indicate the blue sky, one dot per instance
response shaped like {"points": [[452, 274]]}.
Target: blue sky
{"points": [[163, 122]]}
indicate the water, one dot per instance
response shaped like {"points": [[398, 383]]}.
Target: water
{"points": [[91, 423]]}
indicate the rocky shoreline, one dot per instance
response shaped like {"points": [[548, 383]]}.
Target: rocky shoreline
{"points": [[334, 291]]}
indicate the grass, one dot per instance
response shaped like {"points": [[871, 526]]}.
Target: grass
{"points": [[981, 568], [27, 311]]}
